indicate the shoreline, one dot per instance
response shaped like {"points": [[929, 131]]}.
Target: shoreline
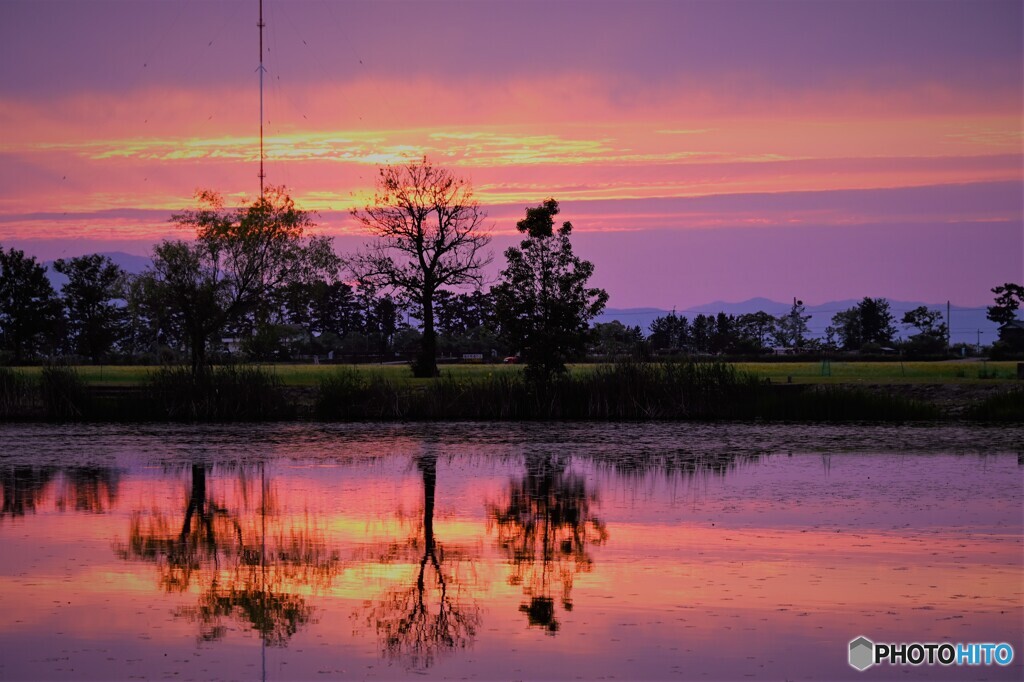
{"points": [[935, 403]]}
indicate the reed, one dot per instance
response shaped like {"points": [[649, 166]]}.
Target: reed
{"points": [[1001, 407], [623, 391], [19, 395], [225, 393], [63, 393], [837, 404]]}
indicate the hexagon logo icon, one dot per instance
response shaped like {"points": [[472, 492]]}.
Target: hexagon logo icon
{"points": [[862, 653]]}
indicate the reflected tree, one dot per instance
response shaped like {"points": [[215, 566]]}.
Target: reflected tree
{"points": [[429, 613], [545, 525], [23, 488], [681, 464], [248, 564], [91, 489]]}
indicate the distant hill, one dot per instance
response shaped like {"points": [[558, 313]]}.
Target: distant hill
{"points": [[964, 329], [128, 262]]}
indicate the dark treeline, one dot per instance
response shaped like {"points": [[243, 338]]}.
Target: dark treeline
{"points": [[254, 283], [105, 315]]}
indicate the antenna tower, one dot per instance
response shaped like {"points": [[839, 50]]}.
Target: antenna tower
{"points": [[261, 72]]}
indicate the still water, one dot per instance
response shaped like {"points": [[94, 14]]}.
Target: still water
{"points": [[504, 551]]}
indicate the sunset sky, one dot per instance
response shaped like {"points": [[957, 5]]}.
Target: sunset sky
{"points": [[703, 150]]}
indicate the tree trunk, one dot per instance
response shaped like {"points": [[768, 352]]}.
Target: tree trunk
{"points": [[427, 464], [426, 362]]}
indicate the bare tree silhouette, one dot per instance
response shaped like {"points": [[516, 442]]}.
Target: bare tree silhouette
{"points": [[418, 621]]}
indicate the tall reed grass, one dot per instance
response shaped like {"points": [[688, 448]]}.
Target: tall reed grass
{"points": [[1002, 407], [623, 391], [840, 403], [63, 393], [19, 395], [225, 393]]}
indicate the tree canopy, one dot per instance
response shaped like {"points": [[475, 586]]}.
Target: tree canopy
{"points": [[30, 312], [544, 305], [238, 258], [868, 322], [1009, 298], [96, 320]]}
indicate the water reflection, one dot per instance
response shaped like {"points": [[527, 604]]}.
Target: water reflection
{"points": [[545, 525], [90, 489], [428, 612], [23, 488], [488, 553], [247, 564]]}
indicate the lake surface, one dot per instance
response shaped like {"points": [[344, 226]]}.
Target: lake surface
{"points": [[511, 551]]}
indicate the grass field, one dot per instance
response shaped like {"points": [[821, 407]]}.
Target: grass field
{"points": [[778, 372]]}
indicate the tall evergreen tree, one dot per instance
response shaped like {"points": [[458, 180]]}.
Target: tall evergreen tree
{"points": [[543, 302]]}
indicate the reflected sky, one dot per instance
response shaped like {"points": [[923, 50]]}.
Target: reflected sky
{"points": [[554, 551]]}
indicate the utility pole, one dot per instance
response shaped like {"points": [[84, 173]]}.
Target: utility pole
{"points": [[979, 342], [261, 72]]}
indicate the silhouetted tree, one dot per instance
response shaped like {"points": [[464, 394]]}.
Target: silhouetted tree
{"points": [[239, 258], [30, 312], [931, 333], [754, 331], [96, 320], [1009, 298], [869, 322], [701, 331], [614, 338], [543, 303], [322, 307], [845, 330], [669, 332], [429, 234], [791, 329]]}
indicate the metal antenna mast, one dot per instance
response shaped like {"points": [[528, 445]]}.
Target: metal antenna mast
{"points": [[261, 71]]}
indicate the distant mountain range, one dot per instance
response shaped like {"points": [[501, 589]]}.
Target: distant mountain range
{"points": [[967, 322]]}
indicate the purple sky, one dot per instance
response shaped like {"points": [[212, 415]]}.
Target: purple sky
{"points": [[703, 150]]}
